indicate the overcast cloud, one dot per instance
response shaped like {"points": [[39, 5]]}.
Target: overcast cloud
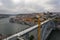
{"points": [[29, 6]]}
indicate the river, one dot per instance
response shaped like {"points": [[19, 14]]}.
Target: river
{"points": [[7, 28]]}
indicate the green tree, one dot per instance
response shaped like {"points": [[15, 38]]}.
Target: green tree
{"points": [[31, 37]]}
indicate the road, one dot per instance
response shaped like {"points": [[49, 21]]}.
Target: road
{"points": [[7, 28]]}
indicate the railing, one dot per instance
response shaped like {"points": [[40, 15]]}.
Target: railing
{"points": [[44, 29]]}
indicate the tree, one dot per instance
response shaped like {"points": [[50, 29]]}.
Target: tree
{"points": [[31, 37]]}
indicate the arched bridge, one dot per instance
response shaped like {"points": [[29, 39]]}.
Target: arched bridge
{"points": [[46, 28]]}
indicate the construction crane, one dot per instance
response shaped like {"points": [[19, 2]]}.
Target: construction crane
{"points": [[39, 28]]}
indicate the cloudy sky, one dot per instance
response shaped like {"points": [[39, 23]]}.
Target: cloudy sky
{"points": [[29, 6]]}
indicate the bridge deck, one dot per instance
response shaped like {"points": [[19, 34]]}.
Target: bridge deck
{"points": [[55, 35]]}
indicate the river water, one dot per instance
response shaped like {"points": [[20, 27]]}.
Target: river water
{"points": [[10, 28]]}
